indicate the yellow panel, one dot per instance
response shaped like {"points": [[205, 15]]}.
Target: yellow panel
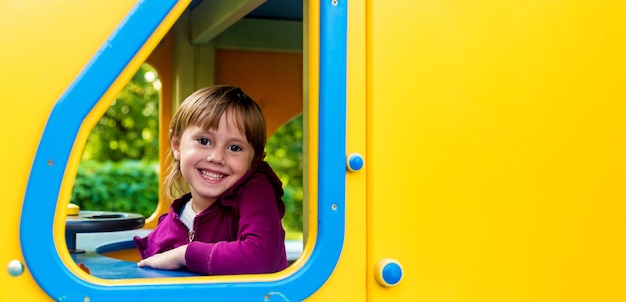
{"points": [[43, 51], [38, 61], [495, 149]]}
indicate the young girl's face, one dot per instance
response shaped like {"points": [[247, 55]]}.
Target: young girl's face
{"points": [[211, 161]]}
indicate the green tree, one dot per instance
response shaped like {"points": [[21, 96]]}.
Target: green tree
{"points": [[118, 168], [129, 128], [284, 154]]}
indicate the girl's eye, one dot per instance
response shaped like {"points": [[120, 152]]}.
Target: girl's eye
{"points": [[204, 141], [234, 148]]}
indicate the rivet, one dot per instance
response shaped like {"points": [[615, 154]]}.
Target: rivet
{"points": [[278, 295], [388, 272], [334, 207], [355, 162], [50, 162], [16, 268], [335, 2]]}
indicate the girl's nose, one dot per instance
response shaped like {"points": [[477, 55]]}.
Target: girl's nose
{"points": [[216, 155]]}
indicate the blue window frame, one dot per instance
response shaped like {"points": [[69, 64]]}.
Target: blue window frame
{"points": [[40, 201]]}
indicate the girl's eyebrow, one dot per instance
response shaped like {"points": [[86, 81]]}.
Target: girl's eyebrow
{"points": [[206, 131], [238, 140]]}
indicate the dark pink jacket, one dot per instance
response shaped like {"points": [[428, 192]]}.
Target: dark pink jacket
{"points": [[241, 233]]}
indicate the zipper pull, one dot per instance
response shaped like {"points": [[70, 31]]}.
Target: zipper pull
{"points": [[191, 233]]}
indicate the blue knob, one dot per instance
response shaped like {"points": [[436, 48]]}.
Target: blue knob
{"points": [[355, 162], [388, 272]]}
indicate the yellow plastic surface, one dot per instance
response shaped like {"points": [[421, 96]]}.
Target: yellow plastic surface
{"points": [[72, 209], [38, 62], [492, 133], [495, 149], [43, 49]]}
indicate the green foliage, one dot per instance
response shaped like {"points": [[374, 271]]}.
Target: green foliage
{"points": [[126, 186], [129, 128], [284, 154], [111, 176]]}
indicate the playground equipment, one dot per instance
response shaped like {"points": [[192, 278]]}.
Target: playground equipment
{"points": [[455, 151]]}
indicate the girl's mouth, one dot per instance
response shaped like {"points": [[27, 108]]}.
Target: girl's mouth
{"points": [[211, 175]]}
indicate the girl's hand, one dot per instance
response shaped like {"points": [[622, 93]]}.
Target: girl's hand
{"points": [[170, 260]]}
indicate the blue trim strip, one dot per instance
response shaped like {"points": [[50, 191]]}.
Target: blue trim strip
{"points": [[57, 141], [42, 191]]}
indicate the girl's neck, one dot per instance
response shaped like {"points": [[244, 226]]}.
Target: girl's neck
{"points": [[200, 205]]}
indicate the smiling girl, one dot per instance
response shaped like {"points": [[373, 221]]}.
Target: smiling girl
{"points": [[228, 220]]}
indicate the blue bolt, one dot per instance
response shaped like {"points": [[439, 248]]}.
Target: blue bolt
{"points": [[355, 162], [392, 273]]}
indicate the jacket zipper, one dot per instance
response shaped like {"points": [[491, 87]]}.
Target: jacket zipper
{"points": [[191, 234]]}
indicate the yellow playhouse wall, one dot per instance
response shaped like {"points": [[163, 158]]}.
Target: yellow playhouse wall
{"points": [[495, 149], [44, 47], [38, 61], [493, 134]]}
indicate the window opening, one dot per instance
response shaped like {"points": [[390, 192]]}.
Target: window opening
{"points": [[119, 165], [117, 183], [284, 153], [47, 171]]}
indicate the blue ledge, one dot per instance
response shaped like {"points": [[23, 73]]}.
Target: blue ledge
{"points": [[96, 244]]}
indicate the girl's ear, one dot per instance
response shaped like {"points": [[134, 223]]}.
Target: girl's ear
{"points": [[175, 145]]}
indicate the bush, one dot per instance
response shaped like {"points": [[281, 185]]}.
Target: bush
{"points": [[284, 154], [126, 186]]}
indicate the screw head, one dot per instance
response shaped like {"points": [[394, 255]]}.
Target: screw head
{"points": [[355, 162], [15, 268], [388, 272]]}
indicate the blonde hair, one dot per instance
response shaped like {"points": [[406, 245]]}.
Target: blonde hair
{"points": [[204, 108]]}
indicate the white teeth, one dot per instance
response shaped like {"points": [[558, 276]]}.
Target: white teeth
{"points": [[211, 175]]}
